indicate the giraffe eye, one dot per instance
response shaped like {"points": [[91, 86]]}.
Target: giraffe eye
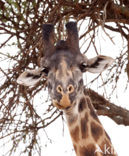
{"points": [[45, 71], [83, 66]]}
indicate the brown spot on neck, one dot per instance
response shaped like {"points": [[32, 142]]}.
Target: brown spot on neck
{"points": [[82, 105], [75, 134], [96, 131], [88, 150], [84, 126]]}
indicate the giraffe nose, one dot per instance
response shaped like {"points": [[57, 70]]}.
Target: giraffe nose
{"points": [[65, 99], [69, 89]]}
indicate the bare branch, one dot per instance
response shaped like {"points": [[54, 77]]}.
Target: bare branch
{"points": [[106, 108]]}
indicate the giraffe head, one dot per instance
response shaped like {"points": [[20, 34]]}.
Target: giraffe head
{"points": [[63, 66]]}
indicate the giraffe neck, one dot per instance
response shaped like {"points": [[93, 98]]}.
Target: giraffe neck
{"points": [[88, 135]]}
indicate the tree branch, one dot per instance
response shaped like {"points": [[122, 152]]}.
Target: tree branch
{"points": [[121, 10], [106, 108], [127, 67]]}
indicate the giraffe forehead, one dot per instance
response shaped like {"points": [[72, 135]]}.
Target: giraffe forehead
{"points": [[58, 56], [64, 59], [61, 64], [63, 69]]}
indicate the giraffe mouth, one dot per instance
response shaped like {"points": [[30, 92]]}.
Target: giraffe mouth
{"points": [[63, 104], [57, 104]]}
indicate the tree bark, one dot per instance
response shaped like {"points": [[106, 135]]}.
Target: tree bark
{"points": [[106, 108]]}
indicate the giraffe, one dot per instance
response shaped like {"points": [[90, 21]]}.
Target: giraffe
{"points": [[63, 66]]}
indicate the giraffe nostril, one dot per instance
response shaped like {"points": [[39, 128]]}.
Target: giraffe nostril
{"points": [[70, 89], [59, 89]]}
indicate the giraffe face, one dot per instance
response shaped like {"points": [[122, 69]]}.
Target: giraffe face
{"points": [[64, 79], [63, 66]]}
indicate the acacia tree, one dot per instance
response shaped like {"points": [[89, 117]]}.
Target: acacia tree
{"points": [[21, 27]]}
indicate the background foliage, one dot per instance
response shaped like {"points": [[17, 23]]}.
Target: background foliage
{"points": [[21, 27]]}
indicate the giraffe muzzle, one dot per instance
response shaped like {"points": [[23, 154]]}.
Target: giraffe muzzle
{"points": [[65, 101]]}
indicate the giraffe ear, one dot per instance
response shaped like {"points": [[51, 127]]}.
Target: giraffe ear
{"points": [[30, 77], [99, 63]]}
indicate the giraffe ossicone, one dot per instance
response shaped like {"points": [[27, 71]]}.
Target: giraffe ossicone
{"points": [[63, 66]]}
